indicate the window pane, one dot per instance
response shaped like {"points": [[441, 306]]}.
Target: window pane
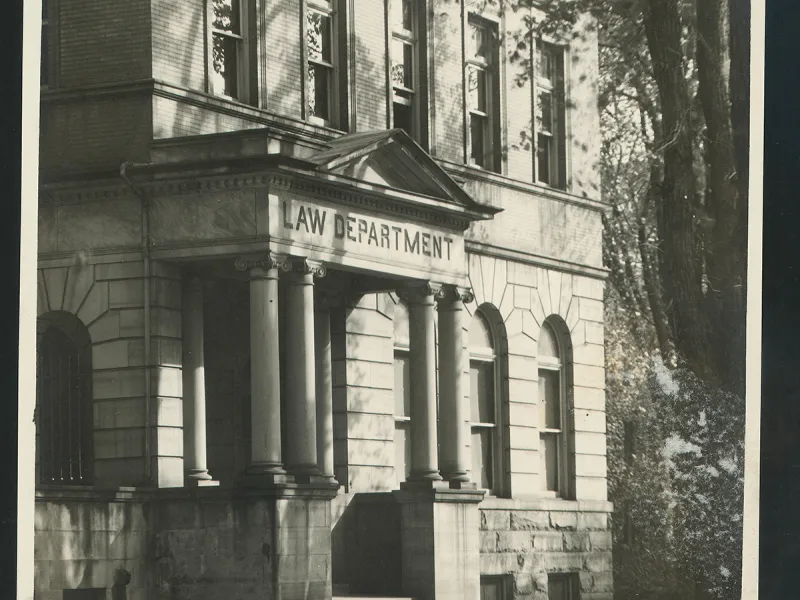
{"points": [[480, 336], [319, 91], [545, 63], [402, 14], [549, 399], [226, 16], [402, 385], [477, 42], [318, 33], [402, 117], [560, 586], [400, 323], [544, 150], [477, 137], [477, 88], [491, 589], [482, 391], [402, 64], [548, 345], [548, 451], [402, 451], [482, 456], [225, 79], [544, 112]]}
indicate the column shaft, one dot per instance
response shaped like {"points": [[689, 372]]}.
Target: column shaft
{"points": [[194, 383], [322, 346], [452, 404], [424, 459], [301, 410], [265, 386]]}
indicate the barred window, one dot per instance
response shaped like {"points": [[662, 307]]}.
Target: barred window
{"points": [[64, 407]]}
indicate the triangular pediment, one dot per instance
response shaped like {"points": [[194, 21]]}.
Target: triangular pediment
{"points": [[393, 160]]}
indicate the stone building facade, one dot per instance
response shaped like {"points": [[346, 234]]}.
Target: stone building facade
{"points": [[320, 300]]}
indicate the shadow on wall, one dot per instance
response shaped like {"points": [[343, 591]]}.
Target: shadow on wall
{"points": [[366, 545]]}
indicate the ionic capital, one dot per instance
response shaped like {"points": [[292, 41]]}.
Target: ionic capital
{"points": [[455, 293], [419, 292], [306, 266], [268, 261]]}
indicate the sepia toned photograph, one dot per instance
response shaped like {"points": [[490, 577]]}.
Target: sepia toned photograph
{"points": [[390, 299]]}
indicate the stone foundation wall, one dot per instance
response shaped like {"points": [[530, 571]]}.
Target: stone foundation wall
{"points": [[526, 541]]}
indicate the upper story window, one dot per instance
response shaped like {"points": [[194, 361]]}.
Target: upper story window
{"points": [[550, 116], [229, 74], [64, 404], [404, 20], [402, 394], [484, 441], [49, 65], [323, 57], [483, 94], [553, 415]]}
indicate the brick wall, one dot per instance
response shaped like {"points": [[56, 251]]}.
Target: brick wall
{"points": [[103, 42], [369, 18], [179, 42], [446, 81]]}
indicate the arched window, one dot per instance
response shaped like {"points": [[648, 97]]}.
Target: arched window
{"points": [[64, 402], [483, 393], [553, 414], [402, 394]]}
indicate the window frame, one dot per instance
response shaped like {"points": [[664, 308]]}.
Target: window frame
{"points": [[557, 90], [504, 583], [565, 487], [244, 85], [336, 105], [489, 67], [482, 354], [401, 348], [399, 95], [572, 580]]}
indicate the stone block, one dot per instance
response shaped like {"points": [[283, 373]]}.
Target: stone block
{"points": [[165, 292], [79, 281], [125, 293], [593, 421], [131, 322], [591, 488], [168, 412], [369, 348], [168, 441], [573, 314], [587, 442], [522, 274], [522, 367], [597, 562], [55, 281], [371, 453], [554, 279], [107, 327], [499, 563], [589, 354], [577, 542], [543, 287], [166, 381], [594, 333], [523, 461], [42, 303], [548, 541], [563, 562], [590, 465], [488, 541], [529, 520], [589, 376], [119, 471], [602, 582], [364, 400], [588, 398], [119, 413], [524, 391], [586, 287], [369, 374], [524, 414], [524, 484], [121, 270], [95, 303], [591, 310], [166, 352], [111, 355], [522, 344], [369, 321], [521, 294], [514, 541], [600, 540], [523, 438], [495, 520], [591, 521], [119, 443], [537, 309], [165, 322], [122, 383], [365, 426], [564, 520]]}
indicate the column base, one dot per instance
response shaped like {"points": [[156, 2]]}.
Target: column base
{"points": [[315, 479], [258, 478], [425, 476], [190, 482]]}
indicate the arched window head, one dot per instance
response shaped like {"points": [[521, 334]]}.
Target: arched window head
{"points": [[402, 394], [64, 401], [553, 415], [484, 391]]}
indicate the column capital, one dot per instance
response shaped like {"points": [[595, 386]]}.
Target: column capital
{"points": [[307, 266], [416, 292], [267, 261], [455, 293]]}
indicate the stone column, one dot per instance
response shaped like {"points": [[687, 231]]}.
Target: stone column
{"points": [[194, 385], [301, 409], [265, 386], [422, 348], [324, 374], [453, 407]]}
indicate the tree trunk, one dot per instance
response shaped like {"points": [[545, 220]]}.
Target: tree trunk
{"points": [[725, 249], [679, 264]]}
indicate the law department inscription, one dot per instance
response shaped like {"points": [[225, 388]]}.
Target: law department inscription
{"points": [[342, 229]]}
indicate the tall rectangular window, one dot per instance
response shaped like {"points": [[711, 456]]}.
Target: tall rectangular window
{"points": [[402, 394], [554, 426], [563, 586], [496, 587], [483, 91], [321, 49], [49, 43], [550, 116], [485, 440], [404, 65], [229, 62]]}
